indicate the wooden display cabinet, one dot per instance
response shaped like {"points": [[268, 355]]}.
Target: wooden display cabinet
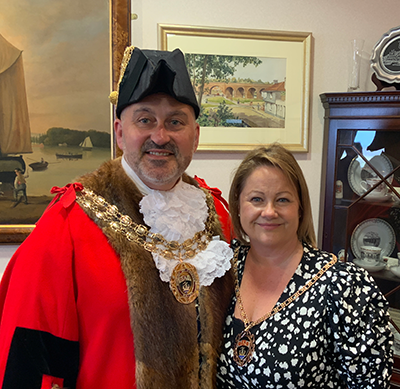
{"points": [[362, 142]]}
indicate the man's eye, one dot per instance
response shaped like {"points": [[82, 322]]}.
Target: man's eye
{"points": [[144, 120]]}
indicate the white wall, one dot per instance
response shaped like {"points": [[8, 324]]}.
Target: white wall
{"points": [[6, 251], [333, 24]]}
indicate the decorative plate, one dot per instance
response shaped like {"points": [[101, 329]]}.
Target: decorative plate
{"points": [[385, 59], [373, 232], [359, 171]]}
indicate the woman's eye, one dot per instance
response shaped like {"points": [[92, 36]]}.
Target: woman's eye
{"points": [[256, 199], [283, 200]]}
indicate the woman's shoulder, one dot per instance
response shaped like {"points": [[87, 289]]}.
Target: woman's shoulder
{"points": [[239, 256], [239, 248], [321, 257], [313, 254], [345, 285], [338, 273]]}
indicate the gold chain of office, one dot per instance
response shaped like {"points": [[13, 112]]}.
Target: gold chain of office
{"points": [[184, 281], [245, 343]]}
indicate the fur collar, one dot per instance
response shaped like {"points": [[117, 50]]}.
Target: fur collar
{"points": [[165, 332]]}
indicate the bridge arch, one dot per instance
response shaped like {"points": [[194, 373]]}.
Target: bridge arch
{"points": [[229, 92], [250, 93], [239, 92]]}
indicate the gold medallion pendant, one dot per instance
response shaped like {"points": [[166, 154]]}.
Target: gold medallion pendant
{"points": [[185, 283], [243, 348]]}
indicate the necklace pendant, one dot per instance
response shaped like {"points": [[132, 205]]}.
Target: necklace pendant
{"points": [[243, 348], [184, 282]]}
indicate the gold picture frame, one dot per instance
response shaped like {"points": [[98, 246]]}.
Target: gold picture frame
{"points": [[120, 38], [264, 45]]}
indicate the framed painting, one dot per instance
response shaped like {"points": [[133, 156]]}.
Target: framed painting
{"points": [[253, 86], [61, 68]]}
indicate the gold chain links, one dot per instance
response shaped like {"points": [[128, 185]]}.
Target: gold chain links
{"points": [[249, 324], [140, 234]]}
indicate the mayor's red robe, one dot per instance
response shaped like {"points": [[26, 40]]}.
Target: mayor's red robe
{"points": [[80, 307]]}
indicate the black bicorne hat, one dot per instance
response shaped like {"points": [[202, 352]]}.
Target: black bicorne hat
{"points": [[146, 72]]}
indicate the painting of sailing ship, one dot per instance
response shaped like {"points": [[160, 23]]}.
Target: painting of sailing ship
{"points": [[54, 110], [86, 144]]}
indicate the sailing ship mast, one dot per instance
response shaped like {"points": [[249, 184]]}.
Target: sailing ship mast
{"points": [[86, 144], [15, 132]]}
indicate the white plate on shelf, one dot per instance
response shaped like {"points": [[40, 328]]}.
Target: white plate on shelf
{"points": [[373, 232], [358, 168], [378, 198], [370, 267]]}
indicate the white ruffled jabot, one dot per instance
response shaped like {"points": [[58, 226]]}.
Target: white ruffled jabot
{"points": [[177, 215]]}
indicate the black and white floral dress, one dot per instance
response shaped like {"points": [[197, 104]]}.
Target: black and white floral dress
{"points": [[336, 335]]}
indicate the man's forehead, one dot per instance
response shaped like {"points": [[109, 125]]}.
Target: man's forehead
{"points": [[152, 104], [157, 97]]}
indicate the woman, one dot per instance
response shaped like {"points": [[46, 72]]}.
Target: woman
{"points": [[298, 318]]}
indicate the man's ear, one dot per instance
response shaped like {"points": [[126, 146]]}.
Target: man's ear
{"points": [[197, 138], [118, 133]]}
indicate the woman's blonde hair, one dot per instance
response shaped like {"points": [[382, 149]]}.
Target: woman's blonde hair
{"points": [[277, 156]]}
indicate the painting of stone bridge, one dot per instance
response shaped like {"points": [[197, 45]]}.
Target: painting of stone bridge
{"points": [[239, 91]]}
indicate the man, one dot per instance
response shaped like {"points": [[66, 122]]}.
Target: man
{"points": [[20, 187], [123, 282]]}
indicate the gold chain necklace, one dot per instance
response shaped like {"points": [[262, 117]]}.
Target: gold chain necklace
{"points": [[243, 348], [184, 281]]}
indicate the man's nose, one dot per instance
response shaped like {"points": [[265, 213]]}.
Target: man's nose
{"points": [[160, 135]]}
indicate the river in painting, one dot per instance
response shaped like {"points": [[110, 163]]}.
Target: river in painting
{"points": [[39, 183]]}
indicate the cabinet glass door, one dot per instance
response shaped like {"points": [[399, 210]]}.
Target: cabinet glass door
{"points": [[367, 208]]}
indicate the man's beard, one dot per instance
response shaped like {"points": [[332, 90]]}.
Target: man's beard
{"points": [[161, 171]]}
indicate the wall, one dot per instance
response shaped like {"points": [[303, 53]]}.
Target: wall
{"points": [[332, 23], [6, 251]]}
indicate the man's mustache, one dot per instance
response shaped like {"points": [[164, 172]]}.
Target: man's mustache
{"points": [[150, 145]]}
